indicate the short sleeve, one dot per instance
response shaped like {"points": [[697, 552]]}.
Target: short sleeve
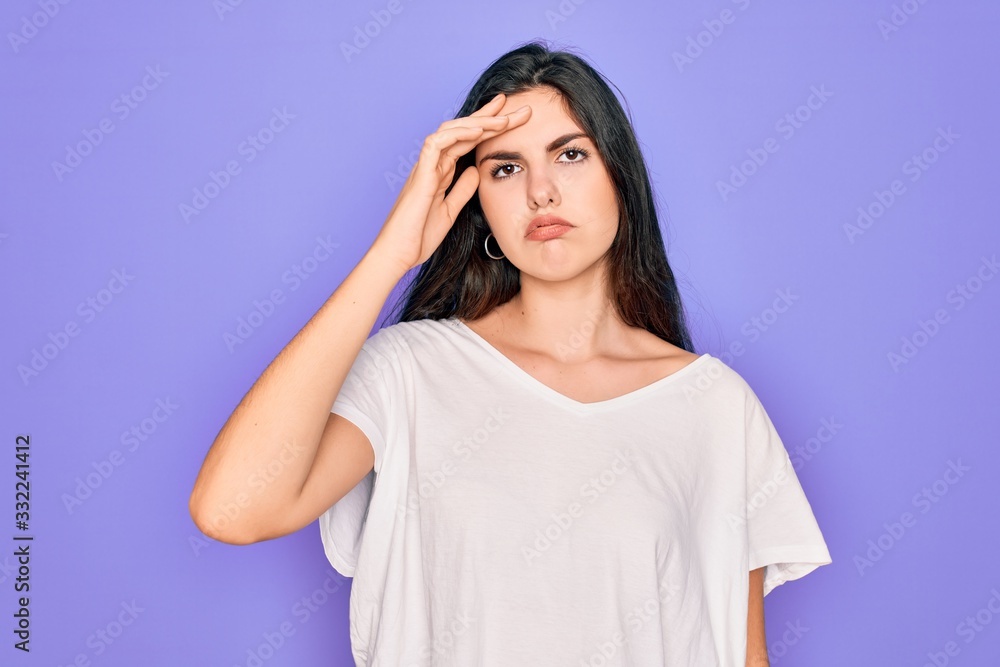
{"points": [[782, 531], [366, 400]]}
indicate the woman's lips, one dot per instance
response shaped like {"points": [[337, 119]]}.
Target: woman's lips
{"points": [[542, 221], [548, 232]]}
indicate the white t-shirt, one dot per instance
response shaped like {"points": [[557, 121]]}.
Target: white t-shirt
{"points": [[508, 524]]}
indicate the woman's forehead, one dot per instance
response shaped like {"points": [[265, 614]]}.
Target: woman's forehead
{"points": [[549, 120]]}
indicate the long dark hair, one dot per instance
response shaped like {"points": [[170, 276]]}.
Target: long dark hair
{"points": [[459, 280]]}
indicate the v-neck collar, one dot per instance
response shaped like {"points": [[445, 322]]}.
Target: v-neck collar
{"points": [[559, 398]]}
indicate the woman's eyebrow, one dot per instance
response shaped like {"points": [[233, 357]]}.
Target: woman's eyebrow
{"points": [[556, 143]]}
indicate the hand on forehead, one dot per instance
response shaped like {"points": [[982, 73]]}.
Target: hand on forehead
{"points": [[549, 118]]}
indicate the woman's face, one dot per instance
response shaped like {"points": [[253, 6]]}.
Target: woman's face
{"points": [[543, 168]]}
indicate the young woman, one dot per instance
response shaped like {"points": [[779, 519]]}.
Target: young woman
{"points": [[531, 466]]}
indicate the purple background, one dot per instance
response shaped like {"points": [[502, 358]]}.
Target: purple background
{"points": [[855, 300]]}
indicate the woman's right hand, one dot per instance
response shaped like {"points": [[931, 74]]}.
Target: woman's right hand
{"points": [[422, 215]]}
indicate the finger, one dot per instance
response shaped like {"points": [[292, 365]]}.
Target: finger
{"points": [[495, 125], [487, 111], [460, 143], [492, 106], [490, 121], [436, 144], [442, 140], [499, 123], [502, 123], [517, 118], [462, 192]]}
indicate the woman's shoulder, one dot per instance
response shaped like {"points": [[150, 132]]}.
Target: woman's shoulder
{"points": [[709, 376], [404, 336], [666, 356], [656, 348], [410, 328]]}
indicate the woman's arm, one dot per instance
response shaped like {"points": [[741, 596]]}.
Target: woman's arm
{"points": [[756, 639], [281, 422], [272, 438]]}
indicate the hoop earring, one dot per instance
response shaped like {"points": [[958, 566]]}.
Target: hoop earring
{"points": [[486, 245]]}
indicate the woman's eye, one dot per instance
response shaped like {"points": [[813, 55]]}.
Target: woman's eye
{"points": [[506, 170], [503, 169], [576, 153]]}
